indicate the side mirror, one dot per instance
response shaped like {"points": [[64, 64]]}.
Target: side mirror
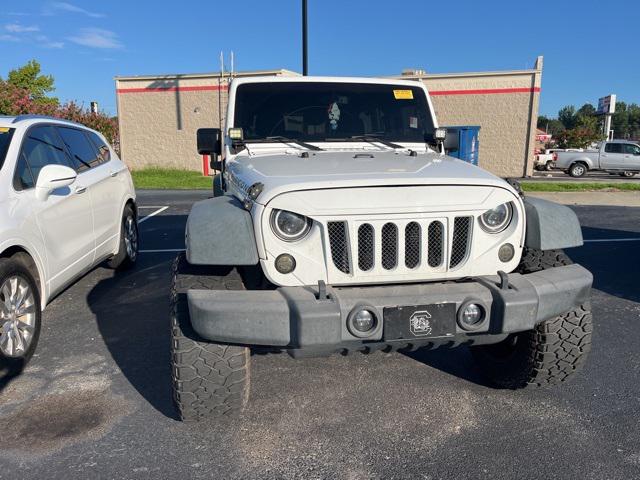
{"points": [[452, 141], [209, 141], [52, 177]]}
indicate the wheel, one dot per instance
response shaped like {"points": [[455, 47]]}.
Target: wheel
{"points": [[209, 379], [550, 353], [128, 251], [20, 315], [577, 170], [548, 166], [627, 174]]}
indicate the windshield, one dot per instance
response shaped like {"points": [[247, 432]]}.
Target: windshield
{"points": [[5, 140], [332, 111]]}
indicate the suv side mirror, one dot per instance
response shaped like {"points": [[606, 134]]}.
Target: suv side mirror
{"points": [[52, 177], [209, 141]]}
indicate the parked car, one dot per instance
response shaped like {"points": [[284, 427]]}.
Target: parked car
{"points": [[67, 203], [342, 227], [546, 160], [617, 156]]}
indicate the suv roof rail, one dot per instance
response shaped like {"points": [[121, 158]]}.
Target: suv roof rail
{"points": [[30, 116]]}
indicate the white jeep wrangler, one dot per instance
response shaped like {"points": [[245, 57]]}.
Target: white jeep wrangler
{"points": [[338, 225]]}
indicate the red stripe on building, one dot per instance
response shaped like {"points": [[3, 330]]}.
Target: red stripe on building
{"points": [[198, 88], [485, 91], [215, 88]]}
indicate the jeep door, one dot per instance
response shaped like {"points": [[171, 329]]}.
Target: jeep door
{"points": [[612, 157], [94, 169], [632, 156], [65, 218]]}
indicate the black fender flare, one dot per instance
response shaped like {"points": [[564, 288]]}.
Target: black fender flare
{"points": [[220, 232], [551, 226]]}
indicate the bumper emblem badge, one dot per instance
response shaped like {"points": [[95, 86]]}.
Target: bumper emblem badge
{"points": [[420, 323]]}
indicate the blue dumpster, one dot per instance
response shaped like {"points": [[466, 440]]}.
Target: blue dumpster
{"points": [[463, 143]]}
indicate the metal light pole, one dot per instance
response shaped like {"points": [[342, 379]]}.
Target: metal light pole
{"points": [[304, 38]]}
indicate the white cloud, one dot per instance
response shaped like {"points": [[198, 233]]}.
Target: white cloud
{"points": [[53, 7], [9, 38], [46, 42], [17, 28], [97, 38]]}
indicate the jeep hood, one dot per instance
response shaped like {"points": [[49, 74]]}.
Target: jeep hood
{"points": [[280, 173]]}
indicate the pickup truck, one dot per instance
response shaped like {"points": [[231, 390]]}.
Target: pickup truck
{"points": [[616, 156], [546, 160]]}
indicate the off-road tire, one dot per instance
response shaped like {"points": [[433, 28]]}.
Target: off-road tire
{"points": [[577, 170], [209, 379], [547, 355], [533, 260], [123, 260]]}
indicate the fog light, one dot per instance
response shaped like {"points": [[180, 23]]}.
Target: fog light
{"points": [[471, 316], [362, 321], [506, 252], [285, 263]]}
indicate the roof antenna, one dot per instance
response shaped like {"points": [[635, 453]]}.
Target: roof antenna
{"points": [[304, 38]]}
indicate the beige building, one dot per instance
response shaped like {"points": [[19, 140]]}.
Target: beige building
{"points": [[159, 115]]}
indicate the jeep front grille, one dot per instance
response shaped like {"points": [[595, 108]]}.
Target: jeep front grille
{"points": [[460, 242], [365, 247], [412, 242], [383, 247], [339, 245], [435, 244]]}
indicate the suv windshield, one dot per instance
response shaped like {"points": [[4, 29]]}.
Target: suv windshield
{"points": [[332, 111], [5, 139]]}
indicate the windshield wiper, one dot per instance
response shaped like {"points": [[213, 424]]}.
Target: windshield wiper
{"points": [[284, 140], [366, 138]]}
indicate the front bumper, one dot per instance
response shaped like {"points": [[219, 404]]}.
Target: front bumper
{"points": [[295, 319]]}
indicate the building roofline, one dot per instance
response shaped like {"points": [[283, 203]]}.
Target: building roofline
{"points": [[469, 74], [248, 73]]}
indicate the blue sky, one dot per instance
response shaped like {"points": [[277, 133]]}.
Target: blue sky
{"points": [[84, 44]]}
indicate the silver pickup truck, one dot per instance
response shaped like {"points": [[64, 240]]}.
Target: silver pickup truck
{"points": [[617, 156]]}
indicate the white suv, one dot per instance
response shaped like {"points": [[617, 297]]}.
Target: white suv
{"points": [[67, 203]]}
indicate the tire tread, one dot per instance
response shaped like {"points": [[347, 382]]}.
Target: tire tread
{"points": [[209, 379]]}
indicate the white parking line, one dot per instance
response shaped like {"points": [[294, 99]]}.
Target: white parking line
{"points": [[163, 250], [152, 214], [614, 240]]}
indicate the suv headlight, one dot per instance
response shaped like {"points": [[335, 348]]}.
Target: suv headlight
{"points": [[497, 219], [289, 226]]}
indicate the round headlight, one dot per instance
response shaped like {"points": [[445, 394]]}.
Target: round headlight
{"points": [[496, 219], [289, 226]]}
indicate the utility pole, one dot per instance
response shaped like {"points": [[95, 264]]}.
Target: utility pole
{"points": [[304, 38]]}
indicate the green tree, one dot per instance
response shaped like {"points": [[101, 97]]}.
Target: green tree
{"points": [[587, 110], [550, 125], [30, 78], [579, 137], [567, 116]]}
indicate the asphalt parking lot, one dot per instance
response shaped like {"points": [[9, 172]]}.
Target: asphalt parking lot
{"points": [[96, 401]]}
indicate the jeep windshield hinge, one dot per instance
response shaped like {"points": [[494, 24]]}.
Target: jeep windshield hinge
{"points": [[322, 290]]}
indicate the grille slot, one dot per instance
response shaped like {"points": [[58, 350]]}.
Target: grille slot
{"points": [[389, 246], [338, 241], [365, 247], [460, 240], [435, 244], [412, 243]]}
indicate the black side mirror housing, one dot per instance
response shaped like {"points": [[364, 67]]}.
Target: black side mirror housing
{"points": [[209, 141], [452, 140]]}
